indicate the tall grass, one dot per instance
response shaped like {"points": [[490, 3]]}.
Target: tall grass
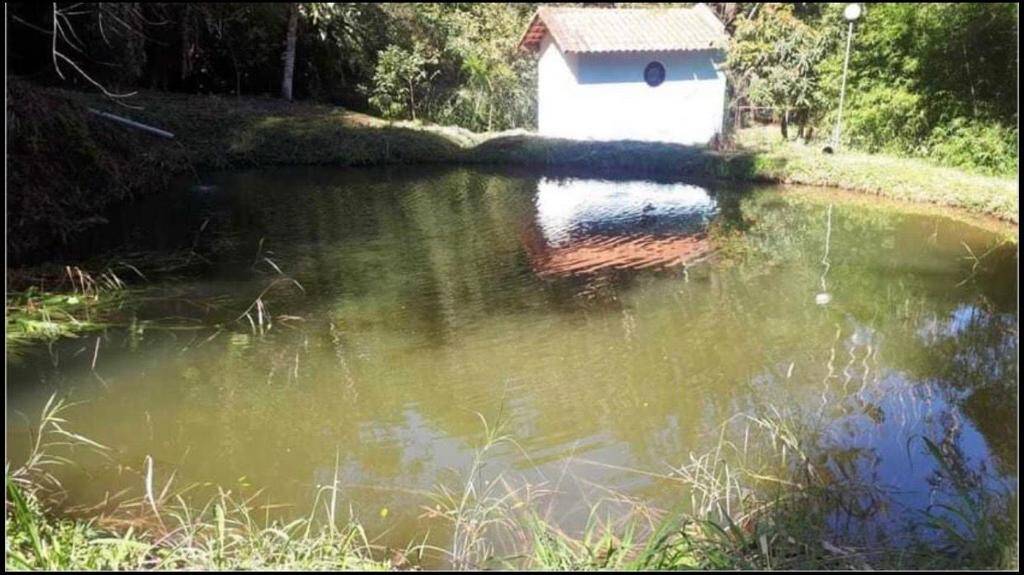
{"points": [[480, 509], [77, 301], [977, 527], [762, 498], [259, 318], [34, 542], [164, 530], [765, 497]]}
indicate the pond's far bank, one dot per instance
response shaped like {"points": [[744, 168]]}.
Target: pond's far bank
{"points": [[56, 146], [894, 178]]}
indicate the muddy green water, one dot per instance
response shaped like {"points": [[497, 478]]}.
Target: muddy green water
{"points": [[612, 325]]}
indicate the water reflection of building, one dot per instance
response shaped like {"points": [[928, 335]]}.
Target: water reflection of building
{"points": [[584, 226]]}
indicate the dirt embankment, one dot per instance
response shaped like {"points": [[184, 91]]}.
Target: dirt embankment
{"points": [[66, 166]]}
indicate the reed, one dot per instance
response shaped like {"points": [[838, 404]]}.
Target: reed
{"points": [[760, 499], [164, 530], [62, 305]]}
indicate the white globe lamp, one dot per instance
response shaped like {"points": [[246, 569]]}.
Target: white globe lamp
{"points": [[852, 12]]}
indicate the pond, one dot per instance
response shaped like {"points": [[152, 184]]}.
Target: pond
{"points": [[366, 323]]}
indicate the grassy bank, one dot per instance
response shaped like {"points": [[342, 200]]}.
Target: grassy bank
{"points": [[222, 132], [66, 165], [903, 179], [760, 503]]}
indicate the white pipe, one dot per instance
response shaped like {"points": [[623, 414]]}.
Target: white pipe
{"points": [[134, 124]]}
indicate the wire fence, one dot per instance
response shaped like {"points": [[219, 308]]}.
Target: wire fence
{"points": [[749, 118], [746, 116]]}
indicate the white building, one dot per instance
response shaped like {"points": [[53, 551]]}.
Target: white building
{"points": [[629, 74]]}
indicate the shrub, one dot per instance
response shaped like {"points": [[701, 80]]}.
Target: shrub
{"points": [[399, 77], [886, 119], [985, 147]]}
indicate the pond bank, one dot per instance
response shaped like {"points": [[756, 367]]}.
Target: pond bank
{"points": [[56, 147]]}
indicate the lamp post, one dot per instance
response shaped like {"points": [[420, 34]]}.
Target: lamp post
{"points": [[851, 13]]}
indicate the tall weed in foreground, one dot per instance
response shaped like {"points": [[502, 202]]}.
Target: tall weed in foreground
{"points": [[977, 525], [164, 530], [34, 541], [740, 511], [480, 509], [763, 498], [768, 498]]}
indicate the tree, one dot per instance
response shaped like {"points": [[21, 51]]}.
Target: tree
{"points": [[774, 62], [289, 52], [933, 80], [494, 82], [478, 79], [399, 75]]}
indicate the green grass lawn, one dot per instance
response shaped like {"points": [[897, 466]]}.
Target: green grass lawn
{"points": [[904, 179], [225, 131]]}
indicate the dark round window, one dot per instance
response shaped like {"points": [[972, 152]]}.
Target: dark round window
{"points": [[654, 74]]}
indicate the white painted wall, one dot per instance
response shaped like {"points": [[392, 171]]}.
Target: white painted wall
{"points": [[604, 96]]}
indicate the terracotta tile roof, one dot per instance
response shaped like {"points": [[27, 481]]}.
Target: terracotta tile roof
{"points": [[626, 29]]}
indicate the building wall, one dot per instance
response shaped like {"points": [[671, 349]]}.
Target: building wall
{"points": [[605, 97]]}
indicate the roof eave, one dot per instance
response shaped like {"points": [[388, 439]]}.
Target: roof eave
{"points": [[640, 50], [527, 42], [539, 28]]}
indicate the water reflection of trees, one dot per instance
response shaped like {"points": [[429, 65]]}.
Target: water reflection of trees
{"points": [[972, 352], [449, 271], [424, 305], [924, 358]]}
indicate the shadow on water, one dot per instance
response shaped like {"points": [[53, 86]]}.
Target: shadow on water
{"points": [[613, 159]]}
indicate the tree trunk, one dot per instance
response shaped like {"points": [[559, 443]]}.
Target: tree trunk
{"points": [[785, 125], [186, 56], [412, 101], [289, 52]]}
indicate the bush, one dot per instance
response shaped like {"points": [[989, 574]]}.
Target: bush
{"points": [[896, 121], [985, 147], [399, 76], [886, 119]]}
